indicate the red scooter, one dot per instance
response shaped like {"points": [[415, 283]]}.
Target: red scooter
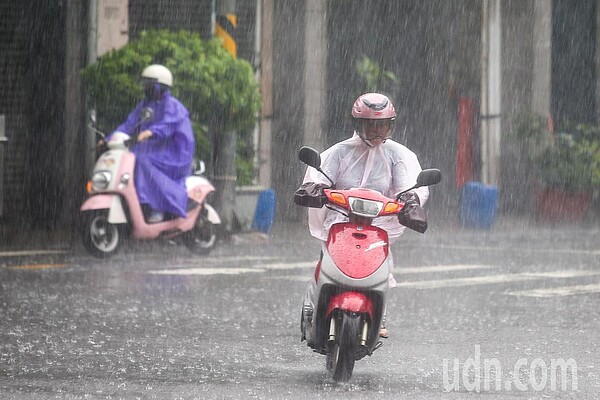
{"points": [[344, 304], [112, 211]]}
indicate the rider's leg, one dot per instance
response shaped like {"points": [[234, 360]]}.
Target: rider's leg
{"points": [[383, 331]]}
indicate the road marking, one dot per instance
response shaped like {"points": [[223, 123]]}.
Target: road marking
{"points": [[234, 270], [298, 265], [514, 249], [37, 266], [302, 278], [495, 279], [30, 253], [238, 259], [205, 271], [438, 268], [558, 291]]}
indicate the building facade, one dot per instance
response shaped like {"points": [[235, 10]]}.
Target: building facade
{"points": [[307, 51]]}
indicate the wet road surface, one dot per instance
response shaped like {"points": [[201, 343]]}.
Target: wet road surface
{"points": [[156, 322]]}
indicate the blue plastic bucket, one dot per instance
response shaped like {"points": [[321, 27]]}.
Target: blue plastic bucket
{"points": [[264, 215], [478, 205]]}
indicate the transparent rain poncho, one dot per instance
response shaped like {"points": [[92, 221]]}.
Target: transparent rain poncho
{"points": [[388, 168]]}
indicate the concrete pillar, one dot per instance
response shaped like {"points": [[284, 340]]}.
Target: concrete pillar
{"points": [[542, 57], [491, 93], [266, 89], [224, 146], [597, 62], [315, 51], [74, 110]]}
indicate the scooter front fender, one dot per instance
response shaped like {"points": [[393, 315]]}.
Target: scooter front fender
{"points": [[351, 301], [111, 202], [97, 202]]}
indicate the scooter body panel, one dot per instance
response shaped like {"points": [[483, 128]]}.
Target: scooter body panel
{"points": [[167, 229], [198, 187], [212, 214], [116, 214], [333, 289], [357, 250]]}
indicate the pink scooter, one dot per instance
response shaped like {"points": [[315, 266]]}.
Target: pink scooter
{"points": [[344, 304], [112, 212]]}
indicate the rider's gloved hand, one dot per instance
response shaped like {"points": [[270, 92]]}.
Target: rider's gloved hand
{"points": [[310, 194], [409, 198], [412, 214]]}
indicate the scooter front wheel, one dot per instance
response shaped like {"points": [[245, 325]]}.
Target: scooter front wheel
{"points": [[100, 238], [340, 353]]}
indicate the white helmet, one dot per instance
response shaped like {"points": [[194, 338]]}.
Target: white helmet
{"points": [[159, 73]]}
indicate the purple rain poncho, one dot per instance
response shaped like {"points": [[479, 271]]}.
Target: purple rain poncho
{"points": [[165, 159]]}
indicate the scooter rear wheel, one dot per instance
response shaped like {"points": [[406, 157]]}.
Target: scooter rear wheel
{"points": [[203, 237], [100, 238], [340, 353]]}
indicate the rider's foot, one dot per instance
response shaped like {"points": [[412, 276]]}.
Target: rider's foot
{"points": [[383, 332], [156, 216]]}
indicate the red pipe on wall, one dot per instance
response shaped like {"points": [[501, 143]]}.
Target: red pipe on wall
{"points": [[465, 170]]}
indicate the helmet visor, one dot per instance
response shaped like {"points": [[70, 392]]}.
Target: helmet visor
{"points": [[373, 129]]}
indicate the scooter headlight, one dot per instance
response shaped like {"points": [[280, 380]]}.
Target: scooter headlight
{"points": [[365, 208], [100, 180]]}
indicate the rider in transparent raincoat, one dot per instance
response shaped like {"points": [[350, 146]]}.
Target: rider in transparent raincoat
{"points": [[369, 159]]}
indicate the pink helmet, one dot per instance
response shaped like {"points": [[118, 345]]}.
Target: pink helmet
{"points": [[373, 106], [374, 118]]}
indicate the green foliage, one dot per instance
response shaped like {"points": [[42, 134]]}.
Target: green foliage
{"points": [[375, 78], [245, 160], [569, 159], [219, 90]]}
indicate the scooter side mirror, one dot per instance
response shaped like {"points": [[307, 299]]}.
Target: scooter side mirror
{"points": [[199, 167], [429, 177], [310, 156], [93, 119], [146, 114]]}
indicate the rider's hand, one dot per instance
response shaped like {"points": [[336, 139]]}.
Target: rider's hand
{"points": [[412, 214], [411, 203], [310, 194], [144, 135], [101, 145], [409, 198]]}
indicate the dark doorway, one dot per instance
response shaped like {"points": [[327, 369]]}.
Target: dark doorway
{"points": [[44, 108], [573, 64]]}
